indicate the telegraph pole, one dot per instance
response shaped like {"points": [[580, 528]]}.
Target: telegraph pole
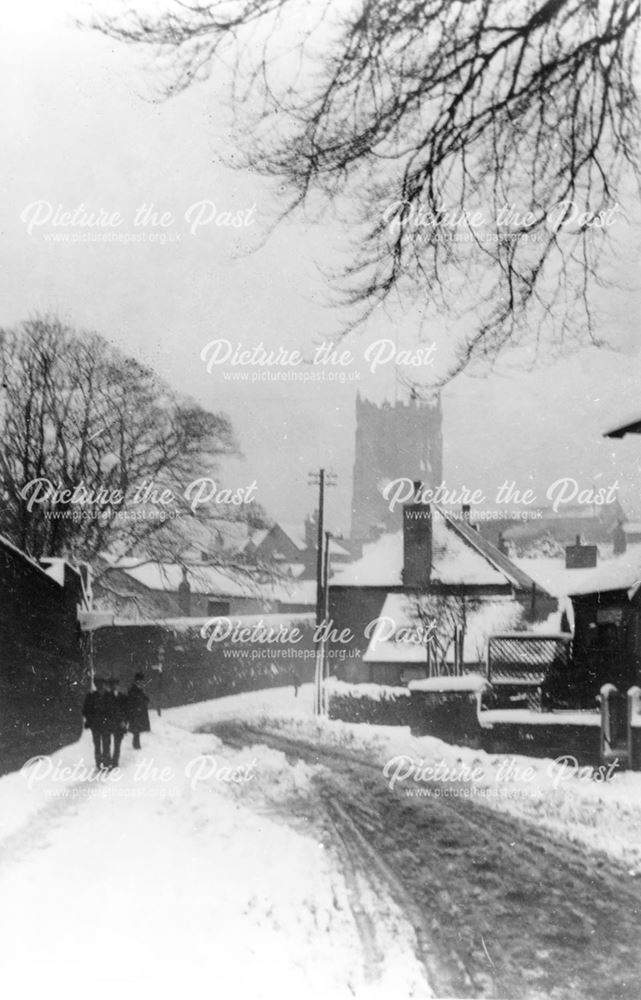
{"points": [[161, 662], [319, 548], [321, 479], [324, 670]]}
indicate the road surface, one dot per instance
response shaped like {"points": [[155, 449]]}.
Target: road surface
{"points": [[499, 907], [311, 879]]}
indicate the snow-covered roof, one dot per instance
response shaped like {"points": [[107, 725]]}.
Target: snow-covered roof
{"points": [[292, 569], [613, 575], [203, 579], [295, 533], [10, 547], [336, 549], [55, 568], [217, 581], [295, 592], [548, 571], [256, 538], [457, 558], [517, 577], [489, 617], [379, 566], [600, 579], [621, 572]]}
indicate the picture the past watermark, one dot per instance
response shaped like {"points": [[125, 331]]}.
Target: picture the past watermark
{"points": [[511, 777], [146, 778]]}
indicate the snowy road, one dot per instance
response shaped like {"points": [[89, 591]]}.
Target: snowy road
{"points": [[160, 884], [501, 909], [306, 876]]}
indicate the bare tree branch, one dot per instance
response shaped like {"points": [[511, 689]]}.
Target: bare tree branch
{"points": [[413, 115], [78, 415]]}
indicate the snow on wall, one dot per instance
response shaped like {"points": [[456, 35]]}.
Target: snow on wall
{"points": [[468, 682], [524, 716], [376, 692]]}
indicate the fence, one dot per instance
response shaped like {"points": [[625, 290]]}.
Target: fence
{"points": [[531, 669]]}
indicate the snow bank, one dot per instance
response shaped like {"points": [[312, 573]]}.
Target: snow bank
{"points": [[468, 682]]}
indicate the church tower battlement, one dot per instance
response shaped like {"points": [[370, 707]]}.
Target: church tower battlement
{"points": [[400, 440]]}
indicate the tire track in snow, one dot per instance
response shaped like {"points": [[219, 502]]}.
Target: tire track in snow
{"points": [[362, 867], [479, 877], [351, 870]]}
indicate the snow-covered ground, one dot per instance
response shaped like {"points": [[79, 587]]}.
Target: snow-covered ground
{"points": [[599, 809], [184, 872], [174, 877]]}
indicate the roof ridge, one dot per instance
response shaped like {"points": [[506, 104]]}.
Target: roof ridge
{"points": [[488, 550]]}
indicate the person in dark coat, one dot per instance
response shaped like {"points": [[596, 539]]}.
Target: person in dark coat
{"points": [[117, 711], [137, 710], [96, 714]]}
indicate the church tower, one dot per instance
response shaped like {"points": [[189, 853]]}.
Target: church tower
{"points": [[403, 440]]}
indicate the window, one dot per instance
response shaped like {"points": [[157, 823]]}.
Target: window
{"points": [[216, 607]]}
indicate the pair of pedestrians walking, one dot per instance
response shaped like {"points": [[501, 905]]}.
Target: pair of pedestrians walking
{"points": [[109, 713]]}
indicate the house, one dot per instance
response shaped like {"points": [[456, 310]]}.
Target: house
{"points": [[602, 605], [424, 600], [289, 545], [277, 544], [606, 611], [138, 590], [406, 645], [594, 525]]}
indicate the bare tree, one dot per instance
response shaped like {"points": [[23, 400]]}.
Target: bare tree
{"points": [[441, 619], [478, 146], [84, 428]]}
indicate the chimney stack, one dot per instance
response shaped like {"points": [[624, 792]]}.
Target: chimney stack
{"points": [[580, 556], [620, 542], [184, 595], [417, 542]]}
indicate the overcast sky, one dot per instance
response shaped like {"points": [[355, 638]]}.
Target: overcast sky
{"points": [[80, 127]]}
